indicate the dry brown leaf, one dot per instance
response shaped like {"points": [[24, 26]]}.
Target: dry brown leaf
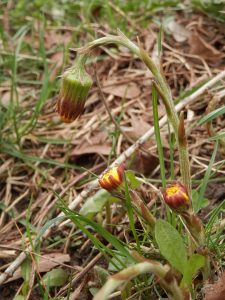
{"points": [[179, 33], [99, 137], [200, 47], [144, 163], [139, 127], [127, 90], [5, 97], [45, 264], [52, 38], [216, 291], [97, 148], [97, 143], [149, 38], [57, 61]]}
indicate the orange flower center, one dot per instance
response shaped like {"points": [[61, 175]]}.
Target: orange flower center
{"points": [[112, 172], [171, 191]]}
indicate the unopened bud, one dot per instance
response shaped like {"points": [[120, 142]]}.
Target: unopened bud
{"points": [[176, 197], [76, 83], [112, 178]]}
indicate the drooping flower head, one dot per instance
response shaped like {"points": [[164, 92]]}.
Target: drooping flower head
{"points": [[176, 197], [75, 85], [112, 178]]}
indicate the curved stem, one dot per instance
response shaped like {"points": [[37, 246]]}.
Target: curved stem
{"points": [[164, 89], [129, 273]]}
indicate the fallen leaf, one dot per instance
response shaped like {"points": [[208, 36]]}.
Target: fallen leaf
{"points": [[6, 97], [216, 291], [200, 47], [179, 33], [57, 62], [87, 149], [99, 137], [139, 127], [55, 278], [127, 90], [144, 163], [52, 38], [46, 263]]}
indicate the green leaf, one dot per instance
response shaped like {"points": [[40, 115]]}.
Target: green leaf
{"points": [[95, 204], [101, 275], [133, 181], [19, 297], [171, 245], [55, 277], [212, 115], [26, 269], [195, 262]]}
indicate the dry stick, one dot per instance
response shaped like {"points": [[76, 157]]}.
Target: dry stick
{"points": [[93, 185]]}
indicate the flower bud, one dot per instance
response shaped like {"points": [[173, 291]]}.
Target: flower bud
{"points": [[112, 178], [76, 83], [176, 197]]}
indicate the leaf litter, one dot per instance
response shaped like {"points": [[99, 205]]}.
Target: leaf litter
{"points": [[190, 54]]}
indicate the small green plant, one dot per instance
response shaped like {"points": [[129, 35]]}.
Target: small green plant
{"points": [[181, 240]]}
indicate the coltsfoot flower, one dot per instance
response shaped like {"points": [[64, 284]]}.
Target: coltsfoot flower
{"points": [[112, 178], [176, 197], [76, 83]]}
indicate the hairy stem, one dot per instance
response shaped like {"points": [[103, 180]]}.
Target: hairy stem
{"points": [[161, 86]]}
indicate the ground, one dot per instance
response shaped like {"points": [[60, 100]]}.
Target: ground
{"points": [[43, 158]]}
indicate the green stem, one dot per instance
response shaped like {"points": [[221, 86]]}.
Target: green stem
{"points": [[146, 266], [161, 83], [108, 216]]}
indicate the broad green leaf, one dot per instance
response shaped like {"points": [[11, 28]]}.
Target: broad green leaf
{"points": [[55, 277], [212, 115], [171, 245], [25, 288], [25, 272], [133, 181], [195, 262], [95, 204], [19, 297], [26, 269], [101, 275]]}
